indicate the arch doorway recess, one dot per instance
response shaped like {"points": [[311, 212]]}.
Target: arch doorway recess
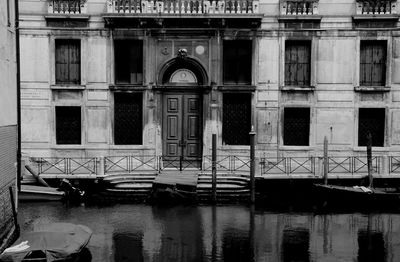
{"points": [[182, 114]]}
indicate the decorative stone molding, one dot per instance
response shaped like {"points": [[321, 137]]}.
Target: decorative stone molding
{"points": [[304, 7], [379, 7]]}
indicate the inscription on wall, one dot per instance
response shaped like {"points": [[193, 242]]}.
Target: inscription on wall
{"points": [[34, 94]]}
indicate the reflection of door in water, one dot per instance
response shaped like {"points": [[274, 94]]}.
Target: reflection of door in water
{"points": [[182, 130]]}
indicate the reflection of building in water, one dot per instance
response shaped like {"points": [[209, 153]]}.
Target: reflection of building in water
{"points": [[296, 244], [155, 234]]}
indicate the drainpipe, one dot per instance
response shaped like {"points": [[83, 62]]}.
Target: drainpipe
{"points": [[16, 7]]}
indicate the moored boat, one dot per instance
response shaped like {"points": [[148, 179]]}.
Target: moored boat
{"points": [[357, 196], [39, 193], [54, 242]]}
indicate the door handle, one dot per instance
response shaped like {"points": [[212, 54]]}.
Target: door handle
{"points": [[182, 143]]}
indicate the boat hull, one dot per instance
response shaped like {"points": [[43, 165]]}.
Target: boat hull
{"points": [[361, 197]]}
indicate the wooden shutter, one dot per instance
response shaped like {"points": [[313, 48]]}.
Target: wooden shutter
{"points": [[297, 63], [68, 61], [373, 63]]}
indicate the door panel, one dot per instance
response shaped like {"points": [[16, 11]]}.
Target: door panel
{"points": [[173, 125], [182, 126]]}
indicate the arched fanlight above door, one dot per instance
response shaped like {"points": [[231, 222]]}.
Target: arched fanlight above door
{"points": [[183, 76]]}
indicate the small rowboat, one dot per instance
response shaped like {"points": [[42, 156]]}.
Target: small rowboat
{"points": [[54, 242]]}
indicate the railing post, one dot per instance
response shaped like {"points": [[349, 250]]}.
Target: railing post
{"points": [[180, 163], [252, 165], [102, 167], [214, 167], [325, 160]]}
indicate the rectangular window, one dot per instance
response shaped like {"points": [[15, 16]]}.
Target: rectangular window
{"points": [[128, 126], [297, 63], [237, 62], [371, 120], [296, 126], [68, 61], [68, 125], [128, 61], [373, 63], [236, 119]]}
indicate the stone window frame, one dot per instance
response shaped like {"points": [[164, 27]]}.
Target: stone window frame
{"points": [[389, 63], [52, 62], [313, 64]]}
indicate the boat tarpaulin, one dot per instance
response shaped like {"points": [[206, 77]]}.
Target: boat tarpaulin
{"points": [[57, 241]]}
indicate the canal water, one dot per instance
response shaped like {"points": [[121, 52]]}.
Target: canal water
{"points": [[136, 232]]}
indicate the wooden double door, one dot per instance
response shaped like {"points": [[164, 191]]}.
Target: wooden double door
{"points": [[182, 130]]}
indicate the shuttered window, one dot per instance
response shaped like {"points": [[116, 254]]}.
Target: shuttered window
{"points": [[68, 125], [128, 126], [371, 120], [297, 63], [68, 61], [296, 126], [128, 61], [373, 63], [237, 62], [236, 118]]}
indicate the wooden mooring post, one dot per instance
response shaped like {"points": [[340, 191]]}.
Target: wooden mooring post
{"points": [[214, 167], [325, 160], [369, 160], [252, 165]]}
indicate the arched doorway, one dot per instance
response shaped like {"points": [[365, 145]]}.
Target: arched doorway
{"points": [[182, 114]]}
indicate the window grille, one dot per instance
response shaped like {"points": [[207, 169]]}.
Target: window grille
{"points": [[373, 63], [371, 120], [68, 125], [237, 62], [296, 126], [128, 61], [297, 63], [68, 61], [236, 119], [128, 124]]}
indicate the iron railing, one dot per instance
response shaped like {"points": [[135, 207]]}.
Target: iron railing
{"points": [[67, 6], [183, 6], [394, 165], [179, 163], [71, 166], [228, 163], [336, 165], [288, 166], [299, 7], [113, 164], [365, 7], [353, 164]]}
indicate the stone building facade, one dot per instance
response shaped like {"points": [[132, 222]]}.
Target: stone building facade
{"points": [[8, 120], [106, 78]]}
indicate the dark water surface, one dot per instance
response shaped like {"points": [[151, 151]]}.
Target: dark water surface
{"points": [[224, 233]]}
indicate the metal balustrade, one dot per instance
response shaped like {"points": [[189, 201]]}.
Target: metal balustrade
{"points": [[183, 6], [299, 8], [228, 163], [288, 166], [67, 6], [127, 164], [71, 166], [366, 7], [336, 165]]}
